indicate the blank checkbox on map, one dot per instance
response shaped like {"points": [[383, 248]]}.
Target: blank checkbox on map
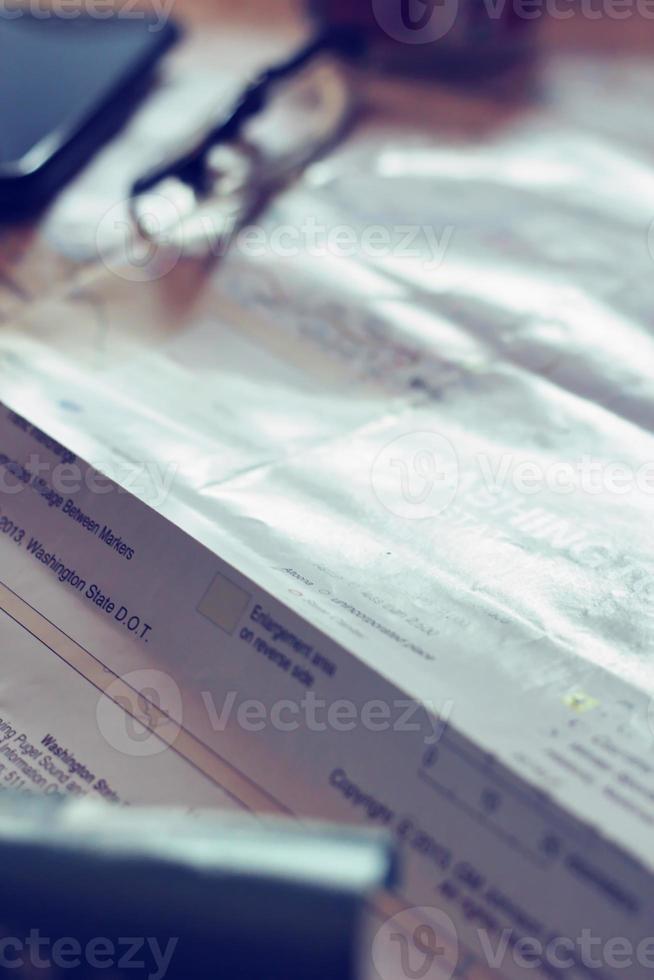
{"points": [[224, 603]]}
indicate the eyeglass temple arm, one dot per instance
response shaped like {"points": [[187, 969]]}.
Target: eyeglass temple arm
{"points": [[191, 168]]}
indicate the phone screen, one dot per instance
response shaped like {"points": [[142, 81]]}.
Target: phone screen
{"points": [[56, 73]]}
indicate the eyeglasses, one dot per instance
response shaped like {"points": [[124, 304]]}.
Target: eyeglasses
{"points": [[203, 197]]}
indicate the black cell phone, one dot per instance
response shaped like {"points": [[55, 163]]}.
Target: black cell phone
{"points": [[66, 86]]}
